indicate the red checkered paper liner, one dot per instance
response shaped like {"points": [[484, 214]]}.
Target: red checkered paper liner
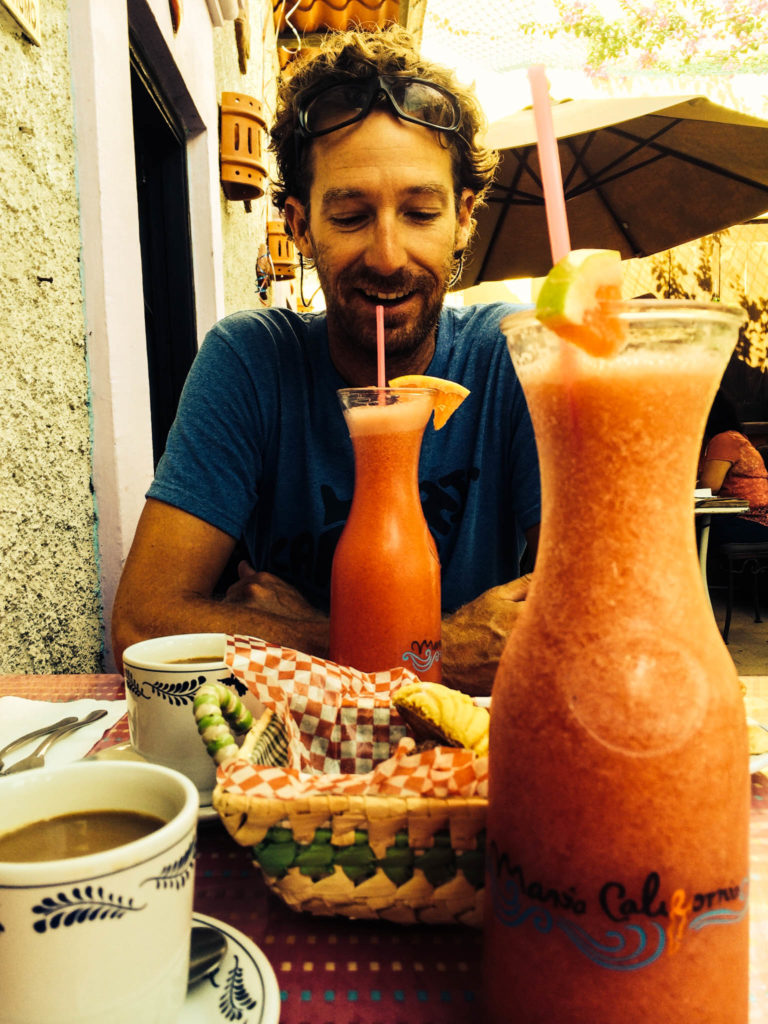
{"points": [[337, 719], [440, 772]]}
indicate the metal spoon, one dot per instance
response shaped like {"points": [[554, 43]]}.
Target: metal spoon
{"points": [[206, 951], [43, 731], [37, 758]]}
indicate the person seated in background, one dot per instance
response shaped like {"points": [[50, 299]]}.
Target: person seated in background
{"points": [[733, 468], [379, 167]]}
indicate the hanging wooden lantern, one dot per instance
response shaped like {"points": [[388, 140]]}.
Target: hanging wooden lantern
{"points": [[243, 171], [282, 251]]}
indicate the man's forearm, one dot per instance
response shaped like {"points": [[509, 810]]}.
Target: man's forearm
{"points": [[262, 605], [196, 614]]}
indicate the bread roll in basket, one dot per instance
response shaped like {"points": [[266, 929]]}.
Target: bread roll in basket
{"points": [[402, 840]]}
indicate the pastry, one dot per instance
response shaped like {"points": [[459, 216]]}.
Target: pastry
{"points": [[436, 712], [757, 712]]}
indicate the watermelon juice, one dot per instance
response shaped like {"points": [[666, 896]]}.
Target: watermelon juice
{"points": [[617, 870]]}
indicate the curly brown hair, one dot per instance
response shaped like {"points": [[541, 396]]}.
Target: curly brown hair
{"points": [[358, 54]]}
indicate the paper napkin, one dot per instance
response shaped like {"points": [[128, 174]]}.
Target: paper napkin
{"points": [[19, 715]]}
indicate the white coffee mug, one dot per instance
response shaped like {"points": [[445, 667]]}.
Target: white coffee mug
{"points": [[162, 676], [104, 936]]}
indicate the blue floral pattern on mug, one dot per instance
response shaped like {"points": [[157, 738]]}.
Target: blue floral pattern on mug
{"points": [[92, 903], [79, 906], [177, 874], [235, 999], [178, 694]]}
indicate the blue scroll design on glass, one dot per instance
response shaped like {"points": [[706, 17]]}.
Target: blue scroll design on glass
{"points": [[723, 915], [178, 694], [235, 999], [89, 903], [625, 949], [508, 907], [422, 655]]}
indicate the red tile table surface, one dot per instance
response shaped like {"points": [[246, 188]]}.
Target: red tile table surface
{"points": [[335, 971]]}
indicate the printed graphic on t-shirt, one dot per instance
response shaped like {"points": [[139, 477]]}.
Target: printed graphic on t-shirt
{"points": [[307, 557]]}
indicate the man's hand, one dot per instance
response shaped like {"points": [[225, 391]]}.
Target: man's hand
{"points": [[474, 636], [270, 594]]}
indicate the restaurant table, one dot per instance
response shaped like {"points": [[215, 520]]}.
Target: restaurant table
{"points": [[337, 971], [704, 509]]}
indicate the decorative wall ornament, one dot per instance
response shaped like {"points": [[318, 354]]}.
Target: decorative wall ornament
{"points": [[282, 251], [243, 35], [264, 275], [176, 12], [243, 170]]}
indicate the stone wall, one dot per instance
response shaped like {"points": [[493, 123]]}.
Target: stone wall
{"points": [[50, 615]]}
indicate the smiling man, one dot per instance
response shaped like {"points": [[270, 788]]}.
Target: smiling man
{"points": [[381, 224], [379, 170]]}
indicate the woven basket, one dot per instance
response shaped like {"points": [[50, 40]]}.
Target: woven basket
{"points": [[402, 859]]}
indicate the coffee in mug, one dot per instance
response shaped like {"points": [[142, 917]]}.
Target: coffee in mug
{"points": [[102, 935]]}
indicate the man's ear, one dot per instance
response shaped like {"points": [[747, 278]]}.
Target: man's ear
{"points": [[296, 218], [464, 221]]}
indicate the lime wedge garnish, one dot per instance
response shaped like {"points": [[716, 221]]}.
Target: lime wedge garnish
{"points": [[575, 297]]}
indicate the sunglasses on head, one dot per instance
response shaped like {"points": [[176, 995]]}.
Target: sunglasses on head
{"points": [[343, 103]]}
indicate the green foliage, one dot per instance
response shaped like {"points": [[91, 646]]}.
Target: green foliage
{"points": [[670, 278], [756, 328], [691, 36]]}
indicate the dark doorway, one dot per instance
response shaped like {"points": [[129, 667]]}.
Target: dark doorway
{"points": [[166, 249]]}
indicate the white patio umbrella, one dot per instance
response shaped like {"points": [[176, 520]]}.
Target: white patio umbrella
{"points": [[640, 175]]}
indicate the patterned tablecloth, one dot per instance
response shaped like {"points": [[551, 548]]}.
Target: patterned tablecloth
{"points": [[354, 972]]}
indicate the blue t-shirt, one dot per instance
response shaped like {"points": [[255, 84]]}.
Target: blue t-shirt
{"points": [[260, 450]]}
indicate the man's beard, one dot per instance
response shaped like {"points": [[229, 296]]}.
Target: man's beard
{"points": [[404, 333]]}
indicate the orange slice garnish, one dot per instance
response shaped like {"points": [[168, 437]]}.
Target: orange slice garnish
{"points": [[449, 396]]}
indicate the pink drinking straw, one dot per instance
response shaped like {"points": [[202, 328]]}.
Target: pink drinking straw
{"points": [[549, 161], [554, 204], [380, 345]]}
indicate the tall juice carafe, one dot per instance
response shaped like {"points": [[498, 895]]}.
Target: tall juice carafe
{"points": [[617, 840], [385, 578]]}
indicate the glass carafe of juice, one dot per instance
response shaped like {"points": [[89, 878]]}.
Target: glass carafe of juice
{"points": [[385, 578], [617, 871]]}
